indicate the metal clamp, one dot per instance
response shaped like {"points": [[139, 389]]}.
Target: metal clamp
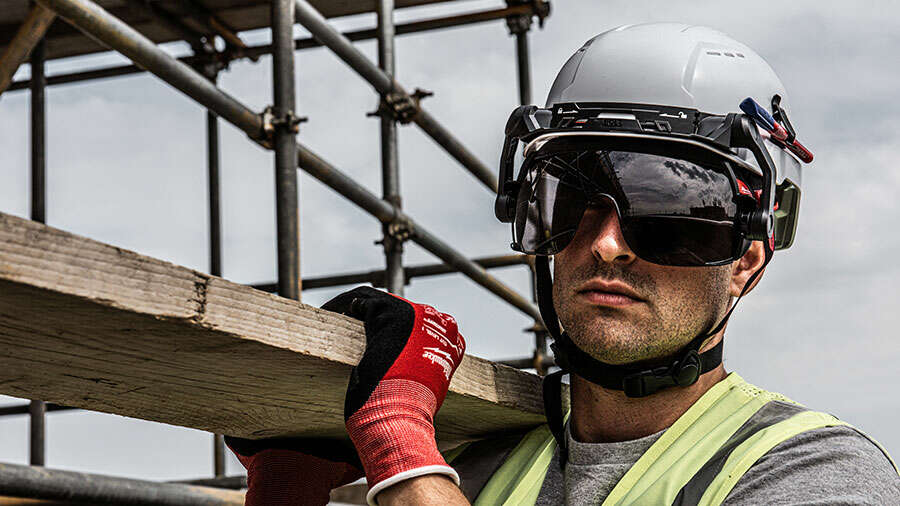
{"points": [[211, 64], [518, 23], [400, 106], [398, 232], [271, 122], [521, 23], [401, 231]]}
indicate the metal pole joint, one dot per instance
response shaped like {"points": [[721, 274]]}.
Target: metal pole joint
{"points": [[541, 9], [210, 64], [400, 106], [521, 23], [272, 122], [518, 23], [397, 232]]}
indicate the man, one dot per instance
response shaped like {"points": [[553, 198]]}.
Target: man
{"points": [[661, 187]]}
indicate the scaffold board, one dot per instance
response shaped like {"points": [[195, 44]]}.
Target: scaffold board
{"points": [[93, 326]]}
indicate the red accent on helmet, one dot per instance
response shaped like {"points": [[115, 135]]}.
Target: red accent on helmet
{"points": [[743, 189]]}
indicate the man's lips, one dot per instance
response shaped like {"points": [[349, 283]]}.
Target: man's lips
{"points": [[608, 293]]}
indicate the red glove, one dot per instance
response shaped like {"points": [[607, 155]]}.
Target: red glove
{"points": [[294, 471], [412, 351]]}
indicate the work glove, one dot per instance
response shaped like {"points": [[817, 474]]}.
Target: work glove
{"points": [[294, 471], [412, 351]]}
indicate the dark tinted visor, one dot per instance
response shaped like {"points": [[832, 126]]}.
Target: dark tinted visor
{"points": [[672, 211]]}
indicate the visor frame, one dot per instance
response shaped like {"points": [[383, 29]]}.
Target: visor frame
{"points": [[722, 135], [568, 142]]}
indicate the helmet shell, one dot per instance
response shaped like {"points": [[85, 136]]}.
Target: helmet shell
{"points": [[680, 65], [667, 64]]}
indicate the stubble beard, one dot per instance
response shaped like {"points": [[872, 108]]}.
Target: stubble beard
{"points": [[670, 318]]}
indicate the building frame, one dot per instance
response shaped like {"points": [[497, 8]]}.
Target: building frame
{"points": [[275, 128]]}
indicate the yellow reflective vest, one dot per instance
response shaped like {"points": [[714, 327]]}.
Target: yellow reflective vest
{"points": [[698, 460]]}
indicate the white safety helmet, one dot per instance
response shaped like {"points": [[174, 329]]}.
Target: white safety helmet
{"points": [[694, 67], [636, 117]]}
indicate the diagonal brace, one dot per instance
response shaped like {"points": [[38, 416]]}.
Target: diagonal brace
{"points": [[313, 21], [30, 33], [96, 22]]}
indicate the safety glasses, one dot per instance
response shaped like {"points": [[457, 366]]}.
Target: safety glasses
{"points": [[672, 211], [670, 174]]}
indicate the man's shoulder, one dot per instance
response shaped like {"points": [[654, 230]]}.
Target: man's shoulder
{"points": [[838, 463]]}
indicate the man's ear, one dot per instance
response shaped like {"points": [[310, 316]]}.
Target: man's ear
{"points": [[743, 268]]}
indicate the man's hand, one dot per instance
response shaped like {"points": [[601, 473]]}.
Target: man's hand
{"points": [[412, 351], [292, 471]]}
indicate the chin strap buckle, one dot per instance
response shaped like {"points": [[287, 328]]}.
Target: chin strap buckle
{"points": [[683, 372]]}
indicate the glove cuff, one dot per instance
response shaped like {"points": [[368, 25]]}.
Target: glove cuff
{"points": [[394, 435]]}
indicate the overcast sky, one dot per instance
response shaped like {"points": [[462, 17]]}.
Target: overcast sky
{"points": [[126, 166]]}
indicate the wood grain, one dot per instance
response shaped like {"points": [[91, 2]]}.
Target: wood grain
{"points": [[90, 325]]}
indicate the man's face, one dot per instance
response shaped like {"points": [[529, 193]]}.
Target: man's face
{"points": [[621, 309]]}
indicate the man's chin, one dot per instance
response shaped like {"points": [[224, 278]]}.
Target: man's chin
{"points": [[612, 351], [612, 346]]}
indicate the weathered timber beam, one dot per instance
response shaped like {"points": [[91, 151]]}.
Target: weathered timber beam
{"points": [[90, 325], [254, 52], [156, 13], [30, 33], [212, 22]]}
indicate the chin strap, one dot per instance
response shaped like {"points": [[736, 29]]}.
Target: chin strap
{"points": [[682, 369]]}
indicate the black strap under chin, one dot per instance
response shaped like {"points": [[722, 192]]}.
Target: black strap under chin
{"points": [[683, 370], [636, 380], [553, 410]]}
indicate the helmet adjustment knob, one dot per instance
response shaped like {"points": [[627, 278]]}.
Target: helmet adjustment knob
{"points": [[687, 371]]}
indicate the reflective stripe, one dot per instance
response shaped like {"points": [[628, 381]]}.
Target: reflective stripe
{"points": [[519, 479], [758, 445], [770, 414], [451, 454], [476, 462], [733, 422], [661, 472]]}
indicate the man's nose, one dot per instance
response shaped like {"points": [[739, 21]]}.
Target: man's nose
{"points": [[608, 243]]}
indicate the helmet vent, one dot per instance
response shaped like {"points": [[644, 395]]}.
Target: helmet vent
{"points": [[730, 55]]}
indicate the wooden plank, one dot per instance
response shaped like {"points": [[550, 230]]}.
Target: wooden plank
{"points": [[90, 325]]}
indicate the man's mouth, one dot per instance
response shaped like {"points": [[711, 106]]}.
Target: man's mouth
{"points": [[600, 292]]}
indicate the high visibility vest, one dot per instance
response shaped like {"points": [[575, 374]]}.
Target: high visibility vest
{"points": [[698, 460]]}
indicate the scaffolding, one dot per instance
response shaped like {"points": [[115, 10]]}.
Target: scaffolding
{"points": [[31, 32]]}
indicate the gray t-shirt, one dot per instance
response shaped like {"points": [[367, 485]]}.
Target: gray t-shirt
{"points": [[831, 465]]}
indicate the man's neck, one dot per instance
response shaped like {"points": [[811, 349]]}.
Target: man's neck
{"points": [[600, 415]]}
